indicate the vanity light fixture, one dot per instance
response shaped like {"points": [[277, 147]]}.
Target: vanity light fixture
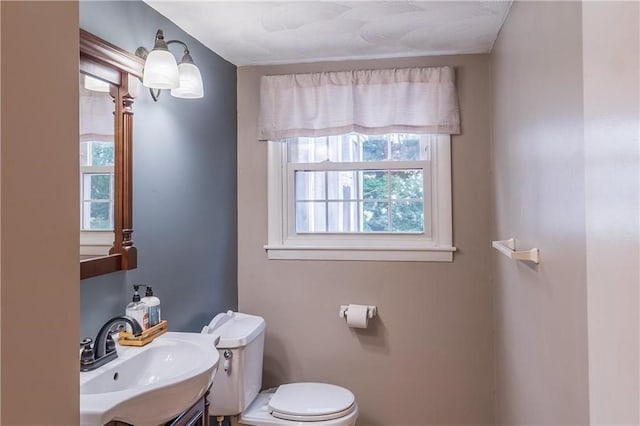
{"points": [[161, 71]]}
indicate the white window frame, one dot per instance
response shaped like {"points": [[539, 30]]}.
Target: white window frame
{"points": [[95, 242], [434, 246]]}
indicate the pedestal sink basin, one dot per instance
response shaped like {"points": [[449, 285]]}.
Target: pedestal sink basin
{"points": [[152, 384]]}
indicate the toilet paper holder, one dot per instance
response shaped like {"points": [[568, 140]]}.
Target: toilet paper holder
{"points": [[372, 311]]}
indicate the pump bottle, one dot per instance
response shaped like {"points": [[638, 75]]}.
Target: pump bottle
{"points": [[138, 310], [153, 303]]}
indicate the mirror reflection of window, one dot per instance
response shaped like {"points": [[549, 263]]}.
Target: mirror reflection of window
{"points": [[96, 167]]}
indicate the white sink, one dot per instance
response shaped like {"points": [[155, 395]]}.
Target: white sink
{"points": [[152, 384]]}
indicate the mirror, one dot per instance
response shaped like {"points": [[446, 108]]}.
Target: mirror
{"points": [[108, 82]]}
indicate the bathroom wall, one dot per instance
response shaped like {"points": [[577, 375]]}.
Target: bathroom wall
{"points": [[611, 46], [39, 214], [428, 357], [184, 183], [539, 198]]}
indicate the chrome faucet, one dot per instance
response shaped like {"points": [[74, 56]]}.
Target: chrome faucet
{"points": [[104, 350]]}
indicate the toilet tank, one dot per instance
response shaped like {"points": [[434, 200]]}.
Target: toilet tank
{"points": [[239, 377]]}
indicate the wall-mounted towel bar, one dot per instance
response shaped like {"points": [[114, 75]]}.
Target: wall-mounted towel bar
{"points": [[508, 248]]}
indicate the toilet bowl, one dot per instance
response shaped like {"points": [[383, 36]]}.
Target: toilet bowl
{"points": [[236, 386]]}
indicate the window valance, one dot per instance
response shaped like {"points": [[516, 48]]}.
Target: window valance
{"points": [[373, 102], [96, 116]]}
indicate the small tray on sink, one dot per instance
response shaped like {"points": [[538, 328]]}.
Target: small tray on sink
{"points": [[147, 336]]}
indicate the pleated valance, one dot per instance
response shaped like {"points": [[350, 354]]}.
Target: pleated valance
{"points": [[96, 116], [373, 102]]}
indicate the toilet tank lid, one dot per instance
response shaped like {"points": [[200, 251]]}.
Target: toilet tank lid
{"points": [[235, 329]]}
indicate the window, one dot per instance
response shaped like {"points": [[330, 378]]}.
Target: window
{"points": [[359, 197], [96, 186]]}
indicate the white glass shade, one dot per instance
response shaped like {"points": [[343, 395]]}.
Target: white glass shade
{"points": [[160, 70], [95, 85], [191, 86]]}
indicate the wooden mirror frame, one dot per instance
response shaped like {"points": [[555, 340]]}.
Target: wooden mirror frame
{"points": [[103, 60]]}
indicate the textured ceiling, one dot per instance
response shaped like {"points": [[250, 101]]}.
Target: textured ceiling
{"points": [[250, 33]]}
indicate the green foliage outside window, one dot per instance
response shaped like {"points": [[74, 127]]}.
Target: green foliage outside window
{"points": [[102, 154], [406, 212]]}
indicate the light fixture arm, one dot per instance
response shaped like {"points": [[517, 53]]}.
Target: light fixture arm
{"points": [[186, 49], [186, 58]]}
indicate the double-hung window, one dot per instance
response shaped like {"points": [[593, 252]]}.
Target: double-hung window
{"points": [[96, 186], [359, 197], [96, 197], [359, 164], [97, 183]]}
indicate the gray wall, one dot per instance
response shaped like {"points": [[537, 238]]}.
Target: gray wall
{"points": [[184, 184], [428, 357], [539, 198]]}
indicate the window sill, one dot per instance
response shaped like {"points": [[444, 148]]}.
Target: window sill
{"points": [[289, 252]]}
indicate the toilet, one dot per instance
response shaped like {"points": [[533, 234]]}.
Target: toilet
{"points": [[236, 385]]}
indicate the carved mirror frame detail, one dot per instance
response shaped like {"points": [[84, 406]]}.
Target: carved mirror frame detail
{"points": [[119, 67]]}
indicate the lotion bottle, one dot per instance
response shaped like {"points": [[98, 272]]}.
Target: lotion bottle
{"points": [[153, 303], [138, 310]]}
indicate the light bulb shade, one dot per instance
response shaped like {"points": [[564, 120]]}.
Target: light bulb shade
{"points": [[160, 70], [191, 86]]}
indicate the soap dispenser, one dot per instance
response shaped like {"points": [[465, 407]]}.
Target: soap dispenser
{"points": [[153, 303], [138, 310]]}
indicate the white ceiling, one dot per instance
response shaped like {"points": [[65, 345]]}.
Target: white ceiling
{"points": [[252, 33]]}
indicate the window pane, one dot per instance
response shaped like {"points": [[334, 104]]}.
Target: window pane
{"points": [[375, 184], [407, 184], [344, 148], [311, 217], [94, 153], [100, 187], [405, 147], [374, 148], [298, 150], [355, 147], [307, 150], [342, 185], [310, 185], [343, 216], [102, 153], [375, 216], [407, 216], [97, 215]]}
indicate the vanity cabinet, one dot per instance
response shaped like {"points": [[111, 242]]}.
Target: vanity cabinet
{"points": [[196, 415]]}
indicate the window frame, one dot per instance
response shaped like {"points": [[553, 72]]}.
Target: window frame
{"points": [[106, 170], [285, 244], [96, 242]]}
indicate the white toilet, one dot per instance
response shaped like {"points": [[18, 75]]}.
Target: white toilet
{"points": [[236, 385]]}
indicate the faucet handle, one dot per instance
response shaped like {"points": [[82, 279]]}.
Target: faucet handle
{"points": [[86, 356]]}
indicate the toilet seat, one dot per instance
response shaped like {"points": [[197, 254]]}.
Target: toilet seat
{"points": [[311, 402], [259, 413]]}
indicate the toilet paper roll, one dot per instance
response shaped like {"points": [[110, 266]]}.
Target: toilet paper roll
{"points": [[357, 316]]}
